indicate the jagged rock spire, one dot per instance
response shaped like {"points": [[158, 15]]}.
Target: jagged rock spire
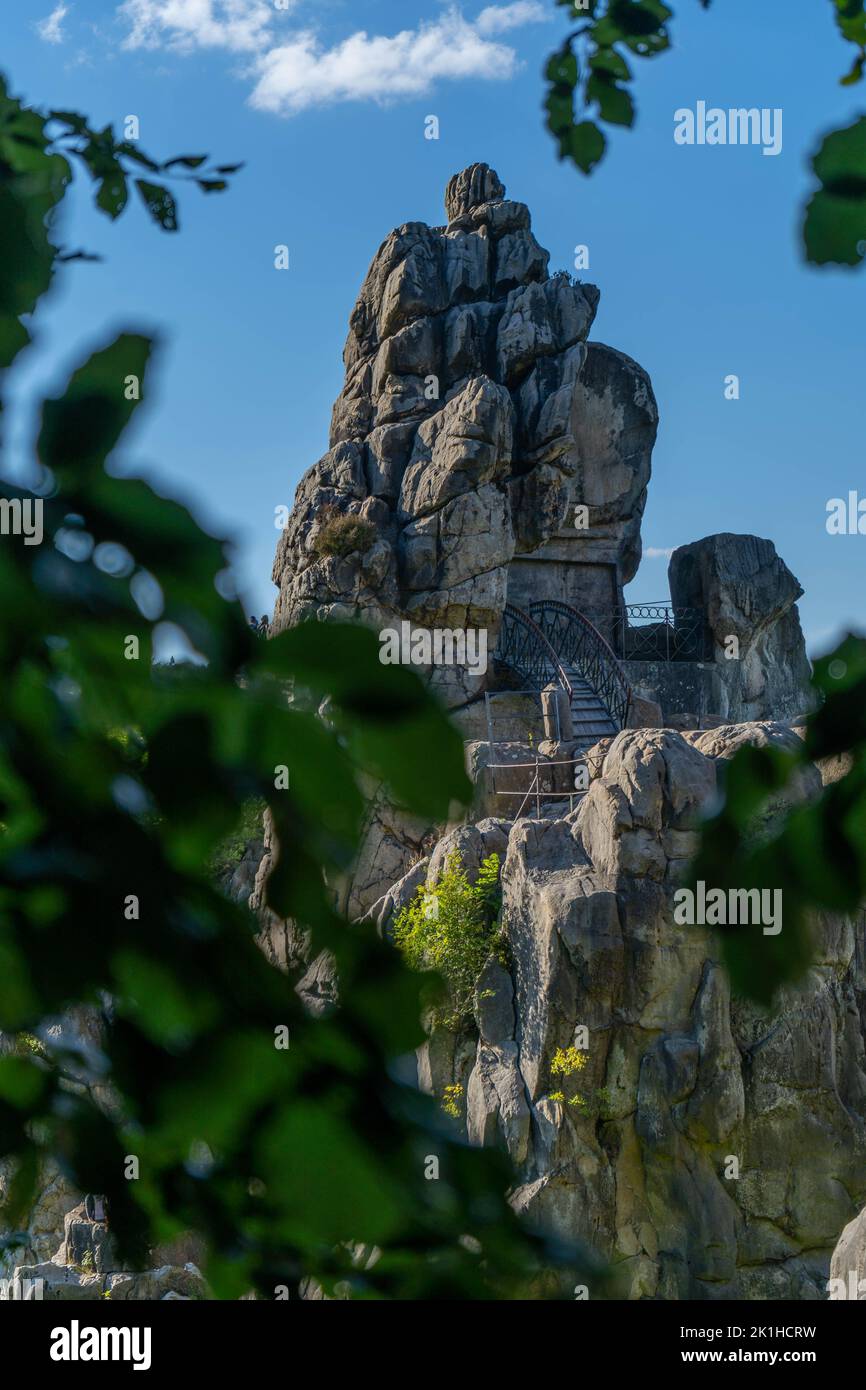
{"points": [[470, 188], [474, 419]]}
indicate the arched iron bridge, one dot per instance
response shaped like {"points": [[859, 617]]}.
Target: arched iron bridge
{"points": [[554, 643]]}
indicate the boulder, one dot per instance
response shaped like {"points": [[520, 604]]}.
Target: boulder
{"points": [[644, 712], [496, 1103], [749, 598]]}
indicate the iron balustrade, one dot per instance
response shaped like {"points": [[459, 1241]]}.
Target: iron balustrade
{"points": [[542, 646], [523, 646], [537, 790], [656, 631]]}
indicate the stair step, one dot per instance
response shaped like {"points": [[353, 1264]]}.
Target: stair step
{"points": [[590, 717]]}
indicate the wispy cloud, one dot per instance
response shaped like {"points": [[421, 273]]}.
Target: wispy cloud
{"points": [[497, 19], [241, 26], [51, 27], [656, 552], [293, 71]]}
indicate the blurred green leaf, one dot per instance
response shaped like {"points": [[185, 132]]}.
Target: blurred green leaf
{"points": [[188, 161], [614, 102], [82, 427], [835, 226], [586, 145], [159, 203], [22, 1084], [119, 782]]}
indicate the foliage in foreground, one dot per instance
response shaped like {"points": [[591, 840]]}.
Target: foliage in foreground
{"points": [[589, 81], [453, 928], [283, 1160]]}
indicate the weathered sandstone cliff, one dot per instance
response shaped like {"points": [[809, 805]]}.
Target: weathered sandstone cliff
{"points": [[717, 1151]]}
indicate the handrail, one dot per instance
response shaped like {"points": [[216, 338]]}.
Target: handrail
{"points": [[656, 631], [548, 762], [579, 643], [523, 646]]}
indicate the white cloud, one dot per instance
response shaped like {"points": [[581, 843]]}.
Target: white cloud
{"points": [[299, 70], [496, 19], [242, 26], [655, 552], [303, 72], [51, 28]]}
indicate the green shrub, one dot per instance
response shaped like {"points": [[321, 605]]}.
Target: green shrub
{"points": [[454, 928], [566, 1061], [341, 533], [451, 1100]]}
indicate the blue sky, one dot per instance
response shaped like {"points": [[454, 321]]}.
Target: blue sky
{"points": [[695, 249]]}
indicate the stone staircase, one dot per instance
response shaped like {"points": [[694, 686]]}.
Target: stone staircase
{"points": [[557, 650], [590, 719]]}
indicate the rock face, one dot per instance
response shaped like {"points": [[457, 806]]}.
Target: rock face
{"points": [[474, 419], [86, 1268], [482, 451], [45, 1222], [747, 593], [64, 1254], [848, 1265], [713, 1151]]}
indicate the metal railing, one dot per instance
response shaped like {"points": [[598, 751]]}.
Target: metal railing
{"points": [[515, 718], [541, 791], [580, 645], [656, 631], [524, 647], [542, 652]]}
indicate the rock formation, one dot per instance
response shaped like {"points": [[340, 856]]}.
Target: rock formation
{"points": [[848, 1265], [482, 451], [717, 1151], [747, 593], [473, 421], [85, 1268]]}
